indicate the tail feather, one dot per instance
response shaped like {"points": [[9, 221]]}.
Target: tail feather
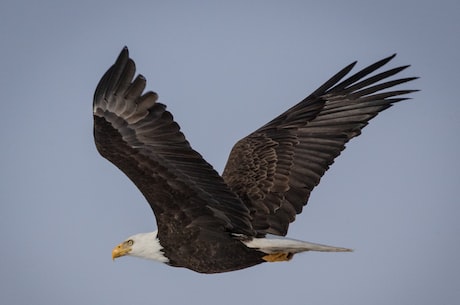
{"points": [[285, 245]]}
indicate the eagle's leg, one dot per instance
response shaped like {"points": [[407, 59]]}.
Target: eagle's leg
{"points": [[278, 257]]}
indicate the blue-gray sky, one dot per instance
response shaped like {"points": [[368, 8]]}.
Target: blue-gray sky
{"points": [[225, 68]]}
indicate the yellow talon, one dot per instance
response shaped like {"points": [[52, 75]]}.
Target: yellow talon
{"points": [[278, 257]]}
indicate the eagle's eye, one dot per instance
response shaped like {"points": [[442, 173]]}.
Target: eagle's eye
{"points": [[130, 242]]}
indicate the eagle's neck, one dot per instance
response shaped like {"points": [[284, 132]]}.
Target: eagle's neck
{"points": [[147, 245]]}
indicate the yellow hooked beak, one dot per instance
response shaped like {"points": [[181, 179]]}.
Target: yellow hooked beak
{"points": [[122, 249]]}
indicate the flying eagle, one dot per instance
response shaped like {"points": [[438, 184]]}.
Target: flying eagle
{"points": [[214, 223]]}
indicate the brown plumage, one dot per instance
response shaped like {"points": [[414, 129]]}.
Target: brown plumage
{"points": [[269, 175]]}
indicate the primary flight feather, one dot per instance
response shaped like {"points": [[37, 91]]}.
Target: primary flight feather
{"points": [[211, 223]]}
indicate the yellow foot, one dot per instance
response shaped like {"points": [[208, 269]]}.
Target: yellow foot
{"points": [[278, 257]]}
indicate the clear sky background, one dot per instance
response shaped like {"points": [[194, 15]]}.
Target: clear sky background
{"points": [[224, 68]]}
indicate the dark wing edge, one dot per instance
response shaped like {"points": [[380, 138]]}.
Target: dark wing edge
{"points": [[275, 168], [136, 133]]}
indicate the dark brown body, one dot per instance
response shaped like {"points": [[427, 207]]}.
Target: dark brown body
{"points": [[211, 253]]}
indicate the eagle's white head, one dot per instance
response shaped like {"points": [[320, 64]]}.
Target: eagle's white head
{"points": [[144, 245]]}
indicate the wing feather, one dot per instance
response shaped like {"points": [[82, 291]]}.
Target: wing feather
{"points": [[275, 168], [138, 135]]}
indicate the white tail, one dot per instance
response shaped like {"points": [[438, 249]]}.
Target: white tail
{"points": [[292, 246]]}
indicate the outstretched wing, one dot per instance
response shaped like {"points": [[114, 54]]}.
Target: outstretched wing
{"points": [[140, 137], [275, 168]]}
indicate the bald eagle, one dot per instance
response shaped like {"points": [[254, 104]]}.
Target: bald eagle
{"points": [[213, 223]]}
